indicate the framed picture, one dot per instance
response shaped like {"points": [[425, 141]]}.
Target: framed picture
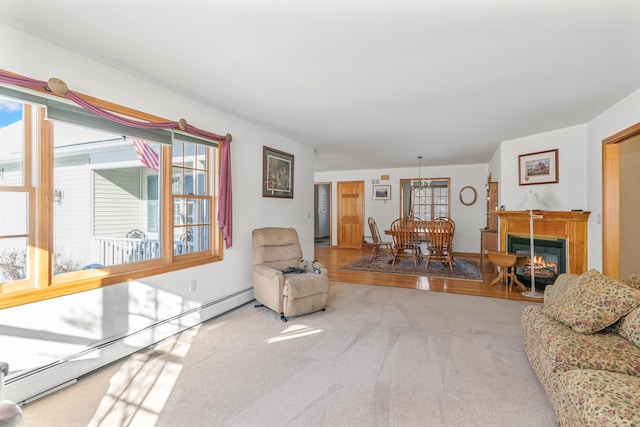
{"points": [[381, 192], [277, 173], [538, 168]]}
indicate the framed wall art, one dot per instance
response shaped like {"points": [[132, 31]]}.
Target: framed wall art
{"points": [[538, 168], [381, 192], [277, 173]]}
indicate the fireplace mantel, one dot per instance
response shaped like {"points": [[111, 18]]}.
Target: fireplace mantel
{"points": [[571, 226]]}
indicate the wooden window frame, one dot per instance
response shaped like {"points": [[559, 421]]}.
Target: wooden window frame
{"points": [[410, 180], [41, 283]]}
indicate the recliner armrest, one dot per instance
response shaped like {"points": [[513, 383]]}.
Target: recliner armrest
{"points": [[266, 271], [322, 268]]}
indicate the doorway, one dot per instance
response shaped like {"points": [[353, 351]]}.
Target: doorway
{"points": [[619, 199], [322, 216]]}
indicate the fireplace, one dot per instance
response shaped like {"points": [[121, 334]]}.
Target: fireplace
{"points": [[550, 259], [570, 226]]}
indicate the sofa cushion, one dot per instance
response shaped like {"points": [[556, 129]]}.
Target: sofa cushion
{"points": [[562, 349], [601, 398], [563, 282], [629, 326], [593, 303], [632, 280]]}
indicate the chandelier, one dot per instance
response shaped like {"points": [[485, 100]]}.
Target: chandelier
{"points": [[420, 183]]}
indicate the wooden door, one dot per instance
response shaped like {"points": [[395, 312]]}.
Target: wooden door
{"points": [[350, 214]]}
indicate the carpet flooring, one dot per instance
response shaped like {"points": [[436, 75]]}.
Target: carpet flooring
{"points": [[378, 356], [464, 268]]}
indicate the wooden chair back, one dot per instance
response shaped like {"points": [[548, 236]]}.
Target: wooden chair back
{"points": [[405, 240], [405, 233], [446, 218], [439, 234], [375, 233], [379, 246], [439, 241]]}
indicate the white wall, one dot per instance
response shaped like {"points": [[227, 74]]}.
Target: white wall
{"points": [[570, 192], [36, 58], [495, 168], [469, 219]]}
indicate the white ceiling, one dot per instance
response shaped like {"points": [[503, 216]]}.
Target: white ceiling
{"points": [[369, 84]]}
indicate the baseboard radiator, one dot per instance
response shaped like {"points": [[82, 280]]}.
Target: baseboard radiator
{"points": [[35, 383]]}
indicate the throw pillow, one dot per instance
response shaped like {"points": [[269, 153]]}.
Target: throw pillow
{"points": [[595, 302], [629, 326]]}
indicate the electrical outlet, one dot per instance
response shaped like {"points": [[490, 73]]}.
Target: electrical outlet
{"points": [[192, 286]]}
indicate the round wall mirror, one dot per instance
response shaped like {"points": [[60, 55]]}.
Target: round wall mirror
{"points": [[468, 195]]}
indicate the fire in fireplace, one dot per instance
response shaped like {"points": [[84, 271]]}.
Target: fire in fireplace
{"points": [[549, 259]]}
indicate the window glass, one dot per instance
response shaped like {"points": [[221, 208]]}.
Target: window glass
{"points": [[192, 199], [12, 134], [106, 199], [13, 259], [14, 194], [425, 199], [153, 208], [10, 222]]}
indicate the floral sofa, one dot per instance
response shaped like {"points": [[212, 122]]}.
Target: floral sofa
{"points": [[584, 345]]}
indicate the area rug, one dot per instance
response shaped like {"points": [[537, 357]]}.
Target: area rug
{"points": [[463, 268]]}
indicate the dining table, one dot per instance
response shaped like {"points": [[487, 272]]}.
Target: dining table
{"points": [[422, 234], [421, 238]]}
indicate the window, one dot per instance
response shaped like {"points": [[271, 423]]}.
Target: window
{"points": [[100, 209], [16, 192], [101, 191], [427, 201], [191, 197]]}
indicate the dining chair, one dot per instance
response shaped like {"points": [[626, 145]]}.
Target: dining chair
{"points": [[446, 218], [405, 240], [439, 241], [379, 246], [450, 249]]}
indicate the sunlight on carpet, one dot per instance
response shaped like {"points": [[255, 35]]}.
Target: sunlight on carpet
{"points": [[463, 268], [138, 391], [293, 332]]}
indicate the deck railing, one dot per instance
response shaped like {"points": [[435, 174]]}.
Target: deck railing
{"points": [[121, 250]]}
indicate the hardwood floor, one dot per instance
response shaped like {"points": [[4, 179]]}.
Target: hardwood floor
{"points": [[334, 258]]}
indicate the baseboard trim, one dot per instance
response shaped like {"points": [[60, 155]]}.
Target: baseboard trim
{"points": [[32, 384]]}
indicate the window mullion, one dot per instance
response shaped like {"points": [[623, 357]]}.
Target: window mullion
{"points": [[32, 212], [43, 252], [166, 209]]}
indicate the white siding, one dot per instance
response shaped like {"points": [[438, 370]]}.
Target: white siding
{"points": [[117, 201]]}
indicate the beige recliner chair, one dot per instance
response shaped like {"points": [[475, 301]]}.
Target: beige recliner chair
{"points": [[274, 250]]}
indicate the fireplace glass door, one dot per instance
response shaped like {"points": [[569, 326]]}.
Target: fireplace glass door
{"points": [[549, 259]]}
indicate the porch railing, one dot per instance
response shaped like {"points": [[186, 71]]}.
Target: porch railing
{"points": [[120, 250]]}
